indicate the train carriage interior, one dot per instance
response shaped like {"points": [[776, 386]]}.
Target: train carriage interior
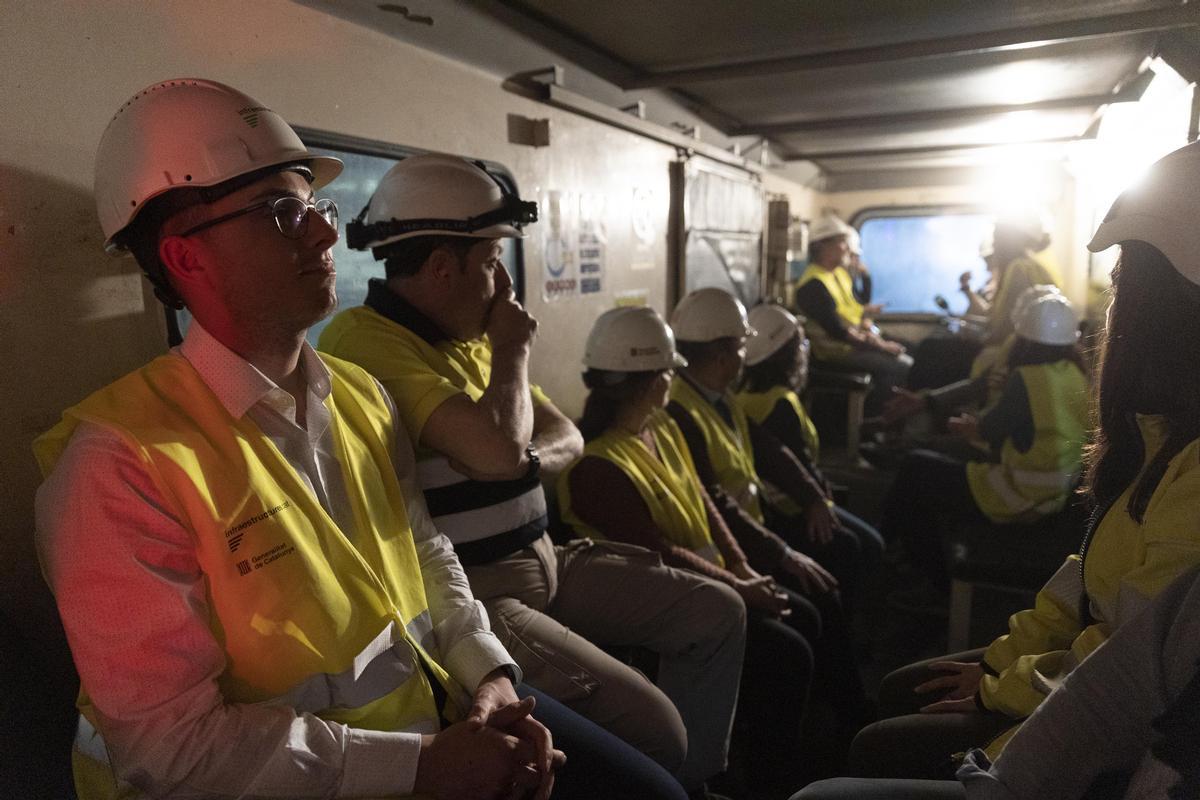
{"points": [[670, 146]]}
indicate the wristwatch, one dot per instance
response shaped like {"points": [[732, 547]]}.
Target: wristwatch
{"points": [[535, 463]]}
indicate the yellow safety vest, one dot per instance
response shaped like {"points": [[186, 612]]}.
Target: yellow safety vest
{"points": [[668, 484], [729, 449], [1027, 485], [840, 286], [1128, 564], [759, 405], [1019, 274], [307, 620]]}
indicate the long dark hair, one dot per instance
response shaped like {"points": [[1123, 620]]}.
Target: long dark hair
{"points": [[777, 369], [1150, 364], [610, 392]]}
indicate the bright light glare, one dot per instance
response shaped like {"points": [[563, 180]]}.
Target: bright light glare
{"points": [[1133, 136]]}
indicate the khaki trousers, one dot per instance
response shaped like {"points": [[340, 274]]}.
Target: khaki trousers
{"points": [[552, 606]]}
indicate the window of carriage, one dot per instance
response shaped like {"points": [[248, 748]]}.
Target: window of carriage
{"points": [[917, 254]]}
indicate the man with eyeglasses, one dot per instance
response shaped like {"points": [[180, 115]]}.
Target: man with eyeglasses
{"points": [[256, 600]]}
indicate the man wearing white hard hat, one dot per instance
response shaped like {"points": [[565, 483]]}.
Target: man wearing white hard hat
{"points": [[749, 473], [255, 598], [840, 330], [769, 393], [446, 336]]}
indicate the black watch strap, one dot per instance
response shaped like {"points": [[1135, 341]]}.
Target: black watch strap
{"points": [[535, 462]]}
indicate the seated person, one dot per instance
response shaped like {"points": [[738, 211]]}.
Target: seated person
{"points": [[841, 332], [1036, 432], [980, 390], [637, 482], [1016, 240], [446, 337], [775, 374], [754, 478], [1143, 479], [255, 599], [1124, 724]]}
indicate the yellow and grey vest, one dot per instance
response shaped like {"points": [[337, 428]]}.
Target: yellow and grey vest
{"points": [[729, 448], [306, 619], [758, 406], [840, 286], [1039, 481], [485, 520], [668, 484]]}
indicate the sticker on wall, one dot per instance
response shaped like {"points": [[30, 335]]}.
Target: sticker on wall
{"points": [[645, 233], [560, 232], [593, 243], [632, 297]]}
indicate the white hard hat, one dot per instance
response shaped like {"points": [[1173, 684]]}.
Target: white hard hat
{"points": [[1049, 320], [434, 194], [1031, 295], [826, 227], [631, 339], [776, 326], [189, 132], [708, 314], [1162, 211]]}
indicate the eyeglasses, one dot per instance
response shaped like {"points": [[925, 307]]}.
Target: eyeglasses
{"points": [[290, 213]]}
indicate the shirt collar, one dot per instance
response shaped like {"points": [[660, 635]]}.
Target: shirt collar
{"points": [[382, 300], [705, 392], [237, 383]]}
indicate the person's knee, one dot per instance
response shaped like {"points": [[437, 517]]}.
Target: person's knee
{"points": [[664, 733], [724, 612]]}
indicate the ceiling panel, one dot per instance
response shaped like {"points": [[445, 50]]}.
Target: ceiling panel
{"points": [[668, 34], [1069, 69], [1018, 126]]}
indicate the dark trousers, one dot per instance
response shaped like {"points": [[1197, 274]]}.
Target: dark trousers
{"points": [[854, 552], [882, 789], [908, 744], [929, 493], [599, 765], [773, 705]]}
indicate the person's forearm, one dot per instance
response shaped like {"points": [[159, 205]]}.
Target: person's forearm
{"points": [[507, 400], [556, 439], [722, 537]]}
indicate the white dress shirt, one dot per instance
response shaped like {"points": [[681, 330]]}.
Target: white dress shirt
{"points": [[134, 603]]}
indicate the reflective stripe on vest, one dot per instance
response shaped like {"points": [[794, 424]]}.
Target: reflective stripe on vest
{"points": [[1038, 481], [293, 603], [758, 406], [667, 483], [729, 449], [840, 286]]}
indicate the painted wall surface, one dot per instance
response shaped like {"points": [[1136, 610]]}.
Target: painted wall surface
{"points": [[73, 319]]}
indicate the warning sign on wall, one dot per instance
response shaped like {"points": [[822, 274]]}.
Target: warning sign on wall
{"points": [[560, 234]]}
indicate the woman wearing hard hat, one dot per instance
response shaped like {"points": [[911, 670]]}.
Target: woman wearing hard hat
{"points": [[981, 390], [637, 483], [1143, 479], [776, 371], [838, 323], [1035, 431]]}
